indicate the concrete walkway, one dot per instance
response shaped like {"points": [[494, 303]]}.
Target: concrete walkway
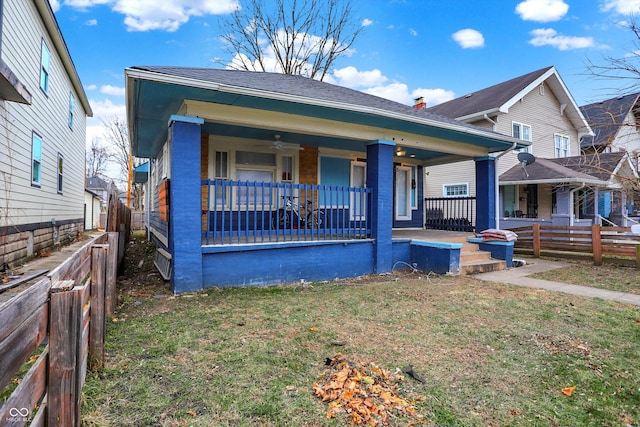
{"points": [[518, 276]]}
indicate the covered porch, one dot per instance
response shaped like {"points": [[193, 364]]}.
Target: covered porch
{"points": [[260, 187]]}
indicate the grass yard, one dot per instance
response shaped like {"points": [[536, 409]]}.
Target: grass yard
{"points": [[490, 354], [609, 276]]}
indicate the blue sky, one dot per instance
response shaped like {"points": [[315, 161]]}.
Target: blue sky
{"points": [[439, 49]]}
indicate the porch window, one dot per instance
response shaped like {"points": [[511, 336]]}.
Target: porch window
{"points": [[562, 145], [254, 167], [523, 132], [287, 169], [455, 190], [72, 110], [221, 168]]}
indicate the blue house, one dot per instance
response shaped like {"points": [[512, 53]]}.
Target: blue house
{"points": [[261, 178]]}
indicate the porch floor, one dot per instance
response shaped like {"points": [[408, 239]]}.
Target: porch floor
{"points": [[433, 235]]}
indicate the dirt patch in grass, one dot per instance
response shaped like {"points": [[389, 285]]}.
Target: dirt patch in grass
{"points": [[489, 354], [609, 276]]}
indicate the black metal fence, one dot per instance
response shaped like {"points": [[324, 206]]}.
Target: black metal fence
{"points": [[450, 213]]}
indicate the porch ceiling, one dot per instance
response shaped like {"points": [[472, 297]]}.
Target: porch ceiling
{"points": [[150, 103]]}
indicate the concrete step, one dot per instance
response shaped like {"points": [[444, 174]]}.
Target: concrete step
{"points": [[469, 247], [483, 266], [477, 255]]}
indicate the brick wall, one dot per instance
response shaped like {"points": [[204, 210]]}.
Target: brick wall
{"points": [[309, 165]]}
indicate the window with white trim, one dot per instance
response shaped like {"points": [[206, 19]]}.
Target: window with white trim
{"points": [[254, 166], [60, 171], [45, 65], [72, 110], [36, 159], [455, 190], [562, 145], [221, 166], [523, 132]]}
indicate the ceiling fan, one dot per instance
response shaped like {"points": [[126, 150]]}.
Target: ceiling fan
{"points": [[278, 144]]}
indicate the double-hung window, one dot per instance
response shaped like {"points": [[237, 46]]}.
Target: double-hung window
{"points": [[254, 167], [45, 66], [36, 159], [562, 146], [523, 132]]}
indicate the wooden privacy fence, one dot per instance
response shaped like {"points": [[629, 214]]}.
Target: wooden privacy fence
{"points": [[595, 240], [57, 327]]}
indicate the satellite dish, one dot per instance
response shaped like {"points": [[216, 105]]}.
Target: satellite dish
{"points": [[526, 159]]}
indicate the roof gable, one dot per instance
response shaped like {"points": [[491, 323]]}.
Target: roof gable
{"points": [[499, 98], [606, 118]]}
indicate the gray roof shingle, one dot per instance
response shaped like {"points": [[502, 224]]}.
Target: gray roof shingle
{"points": [[488, 98], [606, 118]]}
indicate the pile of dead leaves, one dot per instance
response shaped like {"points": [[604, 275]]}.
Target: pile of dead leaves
{"points": [[364, 393]]}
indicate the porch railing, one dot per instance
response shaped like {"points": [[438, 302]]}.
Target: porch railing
{"points": [[450, 213], [239, 212]]}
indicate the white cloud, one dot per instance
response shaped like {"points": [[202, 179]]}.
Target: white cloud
{"points": [[398, 92], [413, 32], [624, 7], [352, 78], [166, 15], [550, 37], [105, 110], [542, 10], [90, 87], [469, 38], [91, 23], [434, 96], [366, 22], [112, 90], [55, 5]]}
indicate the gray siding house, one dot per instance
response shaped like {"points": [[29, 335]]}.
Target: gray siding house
{"points": [[43, 110]]}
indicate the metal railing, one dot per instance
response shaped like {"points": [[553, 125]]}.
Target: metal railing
{"points": [[450, 213], [239, 212]]}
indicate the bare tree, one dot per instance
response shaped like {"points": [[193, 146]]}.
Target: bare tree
{"points": [[116, 138], [97, 159], [625, 69], [301, 37]]}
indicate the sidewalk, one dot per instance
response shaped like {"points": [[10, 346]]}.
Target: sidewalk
{"points": [[517, 276]]}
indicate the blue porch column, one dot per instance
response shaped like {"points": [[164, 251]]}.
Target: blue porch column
{"points": [[485, 193], [185, 216], [380, 181]]}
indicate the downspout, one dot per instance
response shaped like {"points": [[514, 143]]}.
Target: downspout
{"points": [[571, 200], [508, 150]]}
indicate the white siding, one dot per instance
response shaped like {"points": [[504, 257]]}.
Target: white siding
{"points": [[541, 112], [22, 35]]}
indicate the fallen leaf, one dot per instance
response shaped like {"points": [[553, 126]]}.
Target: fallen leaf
{"points": [[313, 329], [568, 390], [190, 412], [290, 387]]}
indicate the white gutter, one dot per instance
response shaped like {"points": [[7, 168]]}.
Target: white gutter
{"points": [[238, 90]]}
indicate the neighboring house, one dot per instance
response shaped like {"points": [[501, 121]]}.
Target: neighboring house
{"points": [[536, 107], [43, 110], [584, 178], [616, 126], [262, 178], [101, 187], [92, 210]]}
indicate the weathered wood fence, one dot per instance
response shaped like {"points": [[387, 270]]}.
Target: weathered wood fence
{"points": [[595, 240], [57, 327]]}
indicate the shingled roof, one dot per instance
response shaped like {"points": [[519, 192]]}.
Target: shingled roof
{"points": [[590, 169], [298, 86], [606, 118], [488, 99]]}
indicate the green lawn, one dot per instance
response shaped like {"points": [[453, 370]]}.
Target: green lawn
{"points": [[490, 354]]}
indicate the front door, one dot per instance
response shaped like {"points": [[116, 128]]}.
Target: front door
{"points": [[402, 200]]}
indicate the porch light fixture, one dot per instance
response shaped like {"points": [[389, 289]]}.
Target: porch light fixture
{"points": [[400, 152]]}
